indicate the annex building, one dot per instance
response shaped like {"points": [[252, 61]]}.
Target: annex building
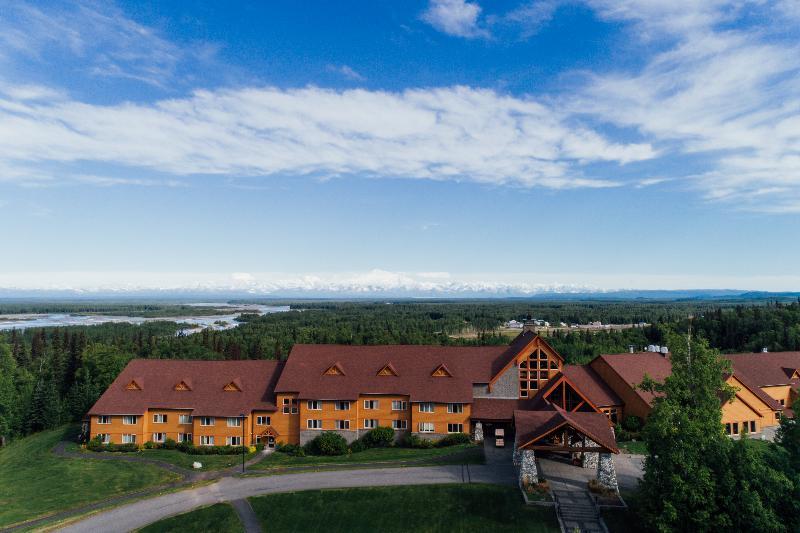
{"points": [[522, 391]]}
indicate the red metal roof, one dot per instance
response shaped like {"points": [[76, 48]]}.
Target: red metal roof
{"points": [[158, 378], [533, 425]]}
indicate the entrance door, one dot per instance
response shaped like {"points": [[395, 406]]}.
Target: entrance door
{"points": [[270, 441]]}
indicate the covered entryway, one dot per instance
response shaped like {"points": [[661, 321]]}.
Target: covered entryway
{"points": [[268, 437]]}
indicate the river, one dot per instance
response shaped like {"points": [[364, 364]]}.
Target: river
{"points": [[217, 322]]}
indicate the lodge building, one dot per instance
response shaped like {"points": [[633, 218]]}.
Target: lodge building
{"points": [[523, 389]]}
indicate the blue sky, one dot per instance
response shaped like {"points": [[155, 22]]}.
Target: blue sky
{"points": [[442, 145]]}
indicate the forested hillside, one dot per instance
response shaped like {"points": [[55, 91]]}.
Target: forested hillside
{"points": [[48, 376]]}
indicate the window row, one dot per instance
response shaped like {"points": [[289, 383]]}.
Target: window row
{"points": [[732, 428], [290, 406], [428, 427], [369, 423]]}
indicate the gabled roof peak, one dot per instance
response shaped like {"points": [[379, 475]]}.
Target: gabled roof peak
{"points": [[388, 370], [441, 371], [335, 370], [233, 386], [184, 385]]}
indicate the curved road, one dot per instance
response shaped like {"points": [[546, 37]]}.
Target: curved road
{"points": [[139, 514]]}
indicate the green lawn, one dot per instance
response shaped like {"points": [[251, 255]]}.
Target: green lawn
{"points": [[637, 447], [220, 518], [424, 508], [462, 453], [184, 460], [35, 482]]}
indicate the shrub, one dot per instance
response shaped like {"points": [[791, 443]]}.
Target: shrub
{"points": [[453, 439], [169, 444], [185, 447], [293, 450], [632, 423], [357, 446], [621, 434], [380, 437], [415, 441], [125, 448], [327, 443], [149, 445]]}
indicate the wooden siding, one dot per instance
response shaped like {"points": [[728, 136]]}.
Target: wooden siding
{"points": [[634, 405]]}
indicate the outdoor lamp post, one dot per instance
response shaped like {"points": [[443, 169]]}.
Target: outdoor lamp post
{"points": [[242, 417]]}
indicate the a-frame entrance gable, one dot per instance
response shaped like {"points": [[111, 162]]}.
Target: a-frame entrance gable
{"points": [[537, 345], [560, 431], [561, 391]]}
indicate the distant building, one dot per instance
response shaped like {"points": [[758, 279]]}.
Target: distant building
{"points": [[513, 324]]}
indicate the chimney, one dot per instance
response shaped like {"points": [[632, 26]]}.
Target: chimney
{"points": [[529, 325]]}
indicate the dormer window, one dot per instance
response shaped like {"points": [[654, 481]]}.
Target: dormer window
{"points": [[442, 371], [335, 370], [133, 385], [183, 386], [388, 370], [233, 386]]}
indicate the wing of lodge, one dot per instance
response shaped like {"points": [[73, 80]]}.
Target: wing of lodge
{"points": [[524, 390]]}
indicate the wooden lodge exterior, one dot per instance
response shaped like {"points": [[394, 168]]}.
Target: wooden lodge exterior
{"points": [[429, 391]]}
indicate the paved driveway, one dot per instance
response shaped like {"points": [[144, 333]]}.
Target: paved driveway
{"points": [[139, 514]]}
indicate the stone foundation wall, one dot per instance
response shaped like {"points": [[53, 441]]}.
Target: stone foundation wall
{"points": [[590, 459], [606, 473], [477, 434], [310, 434], [528, 474], [430, 436]]}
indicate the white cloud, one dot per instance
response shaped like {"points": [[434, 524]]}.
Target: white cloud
{"points": [[455, 17], [99, 34], [110, 181], [346, 71], [455, 133]]}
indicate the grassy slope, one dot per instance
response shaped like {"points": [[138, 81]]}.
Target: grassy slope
{"points": [[429, 508], [36, 482], [280, 460], [209, 462], [220, 518]]}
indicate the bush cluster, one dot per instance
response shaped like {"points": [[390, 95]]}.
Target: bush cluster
{"points": [[629, 429], [327, 443], [96, 445], [291, 449]]}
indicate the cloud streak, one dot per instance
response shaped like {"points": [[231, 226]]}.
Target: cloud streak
{"points": [[455, 133]]}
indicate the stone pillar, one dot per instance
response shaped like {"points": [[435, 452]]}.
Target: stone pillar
{"points": [[478, 436], [606, 473], [515, 457], [527, 468], [590, 458]]}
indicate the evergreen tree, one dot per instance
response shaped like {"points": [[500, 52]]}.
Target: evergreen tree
{"points": [[685, 441], [45, 410], [8, 392]]}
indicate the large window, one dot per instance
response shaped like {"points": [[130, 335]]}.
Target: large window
{"points": [[207, 420], [426, 427], [398, 425], [185, 437], [426, 407], [612, 413], [455, 407], [184, 419], [159, 437], [159, 418], [314, 405], [103, 419], [534, 371], [206, 440], [234, 422], [290, 406], [105, 438], [263, 420], [370, 404], [128, 438], [342, 406], [314, 424], [233, 441], [129, 420], [370, 423], [399, 405], [455, 428], [342, 424]]}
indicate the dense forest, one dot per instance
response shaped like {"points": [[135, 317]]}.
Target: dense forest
{"points": [[49, 376]]}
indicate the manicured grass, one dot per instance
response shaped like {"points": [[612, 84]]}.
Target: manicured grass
{"points": [[220, 518], [637, 447], [36, 482], [466, 453], [427, 508], [177, 458]]}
